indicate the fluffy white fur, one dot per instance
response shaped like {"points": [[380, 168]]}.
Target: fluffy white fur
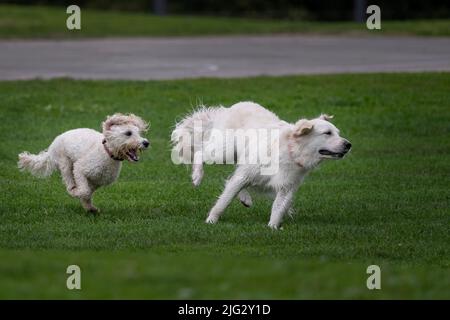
{"points": [[302, 146], [88, 159]]}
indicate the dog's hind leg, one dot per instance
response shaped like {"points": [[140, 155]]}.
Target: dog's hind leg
{"points": [[197, 174], [232, 187], [197, 167], [245, 198], [65, 166], [83, 189]]}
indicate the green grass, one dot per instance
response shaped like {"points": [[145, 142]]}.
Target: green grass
{"points": [[50, 22], [387, 203]]}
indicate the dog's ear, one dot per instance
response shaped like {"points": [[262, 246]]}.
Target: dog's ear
{"points": [[119, 119], [139, 122], [116, 119], [303, 127], [326, 117]]}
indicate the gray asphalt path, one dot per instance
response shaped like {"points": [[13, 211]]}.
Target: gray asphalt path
{"points": [[237, 56]]}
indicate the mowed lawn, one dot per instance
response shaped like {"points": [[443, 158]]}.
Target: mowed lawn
{"points": [[387, 203], [50, 22]]}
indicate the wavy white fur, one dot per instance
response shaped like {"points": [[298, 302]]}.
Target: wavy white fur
{"points": [[302, 146], [88, 159]]}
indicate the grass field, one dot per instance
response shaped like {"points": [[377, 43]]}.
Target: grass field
{"points": [[50, 22], [387, 203]]}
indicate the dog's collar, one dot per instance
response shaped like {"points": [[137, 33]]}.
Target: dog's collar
{"points": [[291, 154], [109, 152]]}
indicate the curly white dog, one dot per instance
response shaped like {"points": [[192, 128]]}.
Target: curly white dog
{"points": [[88, 159], [301, 147]]}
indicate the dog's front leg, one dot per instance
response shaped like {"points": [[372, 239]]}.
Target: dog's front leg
{"points": [[88, 205], [281, 204], [232, 187]]}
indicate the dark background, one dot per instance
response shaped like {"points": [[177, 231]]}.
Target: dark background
{"points": [[324, 10]]}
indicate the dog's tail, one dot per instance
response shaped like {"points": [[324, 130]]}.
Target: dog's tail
{"points": [[189, 135], [40, 165]]}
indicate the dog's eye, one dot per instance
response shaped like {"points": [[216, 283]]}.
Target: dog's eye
{"points": [[128, 133], [328, 133]]}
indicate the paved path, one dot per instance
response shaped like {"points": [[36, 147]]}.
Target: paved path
{"points": [[146, 58]]}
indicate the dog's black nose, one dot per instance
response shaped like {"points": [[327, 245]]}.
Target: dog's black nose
{"points": [[146, 143], [347, 145]]}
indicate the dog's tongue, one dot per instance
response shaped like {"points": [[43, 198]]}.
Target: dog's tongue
{"points": [[132, 156]]}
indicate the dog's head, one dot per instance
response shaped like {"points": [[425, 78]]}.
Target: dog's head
{"points": [[318, 139], [123, 136]]}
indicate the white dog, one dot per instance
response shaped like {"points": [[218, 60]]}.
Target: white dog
{"points": [[300, 148], [88, 159]]}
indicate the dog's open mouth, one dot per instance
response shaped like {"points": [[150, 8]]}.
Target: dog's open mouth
{"points": [[331, 154], [133, 155]]}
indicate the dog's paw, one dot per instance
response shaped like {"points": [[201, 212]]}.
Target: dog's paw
{"points": [[211, 220], [197, 179], [275, 226], [245, 199], [93, 210], [72, 190]]}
